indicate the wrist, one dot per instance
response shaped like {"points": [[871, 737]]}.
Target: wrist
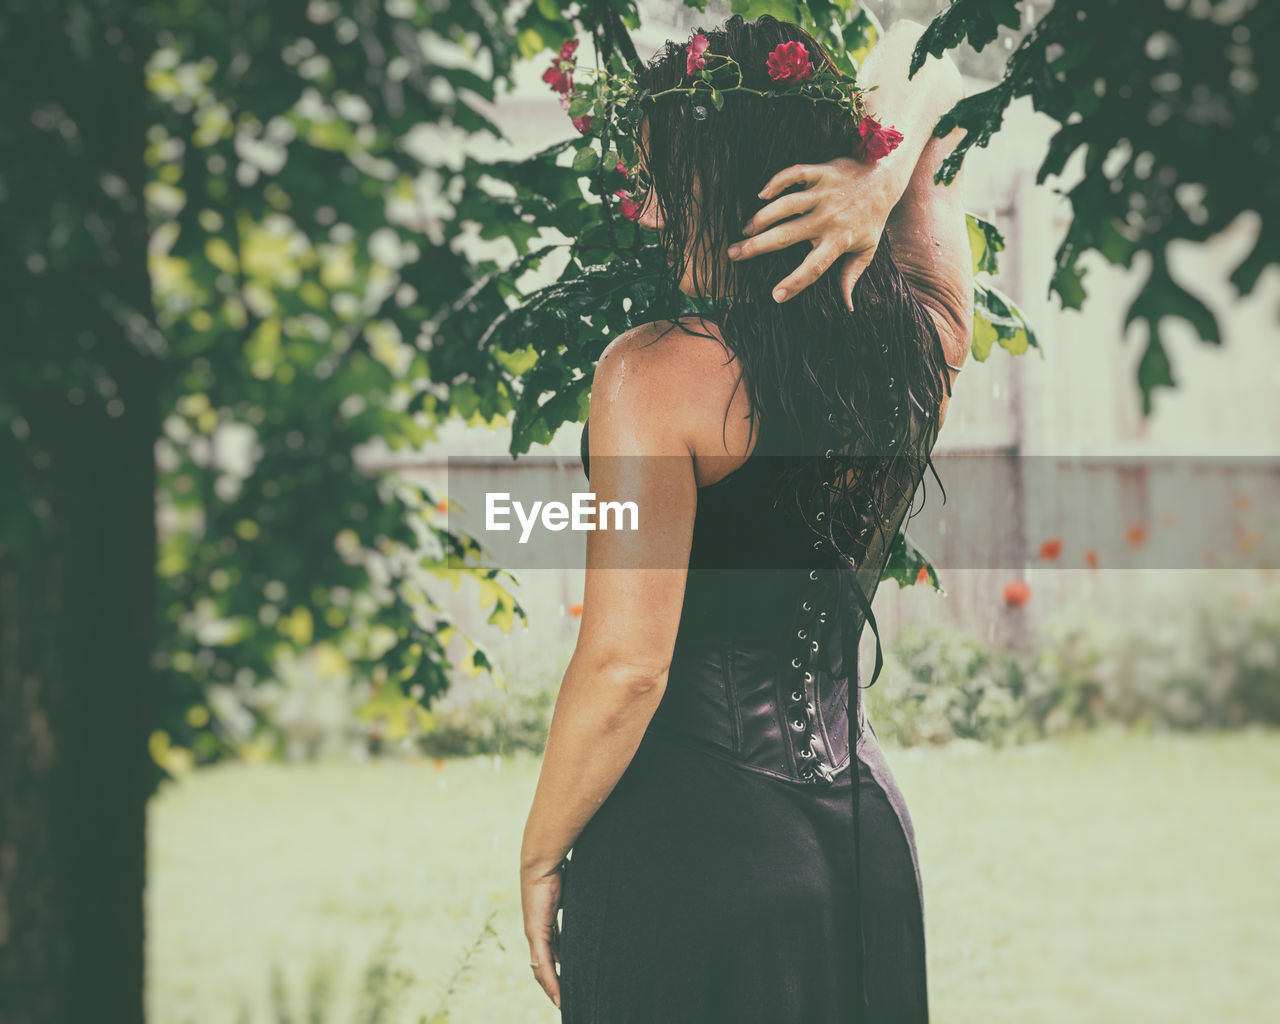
{"points": [[879, 184]]}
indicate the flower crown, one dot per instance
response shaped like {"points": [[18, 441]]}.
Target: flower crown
{"points": [[711, 75]]}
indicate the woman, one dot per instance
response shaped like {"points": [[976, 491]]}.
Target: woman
{"points": [[725, 866]]}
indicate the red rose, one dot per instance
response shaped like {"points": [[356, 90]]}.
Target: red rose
{"points": [[583, 124], [557, 79], [876, 141], [694, 59], [790, 61], [567, 50]]}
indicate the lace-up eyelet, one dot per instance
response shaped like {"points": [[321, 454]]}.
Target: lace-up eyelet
{"points": [[802, 634], [829, 453], [814, 645], [813, 574], [809, 707], [798, 724], [817, 545], [822, 616], [820, 517], [797, 696], [807, 606], [808, 677]]}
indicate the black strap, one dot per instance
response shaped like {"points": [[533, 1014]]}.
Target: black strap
{"points": [[852, 601]]}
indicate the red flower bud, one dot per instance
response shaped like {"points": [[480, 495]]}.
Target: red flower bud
{"points": [[628, 207], [876, 142], [1016, 594], [557, 79], [694, 59]]}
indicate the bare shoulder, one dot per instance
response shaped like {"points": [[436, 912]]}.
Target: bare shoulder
{"points": [[665, 364], [666, 381], [665, 352]]}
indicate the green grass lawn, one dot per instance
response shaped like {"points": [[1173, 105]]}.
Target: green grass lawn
{"points": [[1098, 879]]}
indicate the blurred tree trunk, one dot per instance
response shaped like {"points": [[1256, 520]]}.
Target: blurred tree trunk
{"points": [[76, 611]]}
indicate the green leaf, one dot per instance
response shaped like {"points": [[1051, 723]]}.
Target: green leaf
{"points": [[1154, 371], [717, 98], [587, 160], [985, 240], [906, 559], [996, 320]]}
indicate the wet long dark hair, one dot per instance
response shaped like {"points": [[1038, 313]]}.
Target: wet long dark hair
{"points": [[851, 399]]}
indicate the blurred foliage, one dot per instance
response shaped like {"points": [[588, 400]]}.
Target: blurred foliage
{"points": [[1208, 663], [290, 278], [1173, 103], [292, 268], [488, 722]]}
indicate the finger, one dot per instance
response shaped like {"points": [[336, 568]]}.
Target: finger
{"points": [[813, 267], [854, 266], [545, 972], [791, 205], [780, 236], [796, 174]]}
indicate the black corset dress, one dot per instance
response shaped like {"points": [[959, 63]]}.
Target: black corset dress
{"points": [[736, 874]]}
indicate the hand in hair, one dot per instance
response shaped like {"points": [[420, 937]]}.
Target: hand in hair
{"points": [[842, 212], [845, 204]]}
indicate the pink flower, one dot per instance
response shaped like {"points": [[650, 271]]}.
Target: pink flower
{"points": [[629, 207], [694, 59], [558, 80], [790, 61], [567, 50], [583, 124], [622, 168], [877, 141]]}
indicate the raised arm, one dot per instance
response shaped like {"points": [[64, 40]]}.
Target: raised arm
{"points": [[843, 210], [930, 243]]}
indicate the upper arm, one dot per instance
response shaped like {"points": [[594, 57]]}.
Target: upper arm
{"points": [[639, 453], [930, 242]]}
